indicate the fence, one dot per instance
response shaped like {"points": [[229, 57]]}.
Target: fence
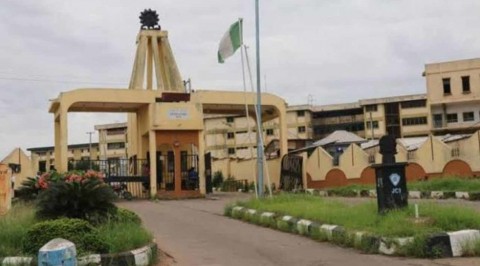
{"points": [[121, 174], [233, 185]]}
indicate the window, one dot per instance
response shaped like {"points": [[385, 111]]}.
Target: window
{"points": [[446, 86], [269, 132], [414, 104], [411, 121], [231, 150], [301, 129], [466, 84], [300, 113], [242, 148], [116, 131], [371, 108], [437, 120], [116, 145], [230, 119], [230, 135], [374, 123], [452, 118], [468, 116]]}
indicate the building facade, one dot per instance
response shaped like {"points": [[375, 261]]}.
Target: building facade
{"points": [[400, 116], [43, 158], [329, 118], [453, 90], [112, 141], [229, 136]]}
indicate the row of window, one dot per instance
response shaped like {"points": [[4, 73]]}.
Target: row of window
{"points": [[327, 129], [403, 105], [447, 88], [412, 121], [115, 145], [467, 117], [269, 132]]}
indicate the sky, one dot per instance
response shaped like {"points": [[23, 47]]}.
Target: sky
{"points": [[327, 51]]}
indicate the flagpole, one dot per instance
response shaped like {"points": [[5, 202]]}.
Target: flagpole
{"points": [[259, 105]]}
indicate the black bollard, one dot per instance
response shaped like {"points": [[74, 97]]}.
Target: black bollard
{"points": [[390, 178]]}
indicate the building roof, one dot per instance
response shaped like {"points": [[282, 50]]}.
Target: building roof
{"points": [[335, 107], [394, 99], [339, 137], [73, 146], [111, 126]]}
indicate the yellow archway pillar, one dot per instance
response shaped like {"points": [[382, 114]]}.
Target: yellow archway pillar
{"points": [[61, 140], [152, 144]]}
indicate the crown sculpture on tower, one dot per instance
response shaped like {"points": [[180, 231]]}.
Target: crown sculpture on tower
{"points": [[149, 20]]}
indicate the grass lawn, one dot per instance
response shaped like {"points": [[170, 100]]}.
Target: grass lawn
{"points": [[448, 184], [118, 235], [364, 217]]}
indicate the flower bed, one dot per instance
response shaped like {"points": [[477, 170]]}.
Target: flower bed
{"points": [[76, 206]]}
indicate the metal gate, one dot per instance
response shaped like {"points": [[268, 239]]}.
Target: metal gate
{"points": [[130, 175]]}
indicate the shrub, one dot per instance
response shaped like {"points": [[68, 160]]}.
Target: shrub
{"points": [[77, 231], [77, 197], [29, 190], [126, 216], [217, 179]]}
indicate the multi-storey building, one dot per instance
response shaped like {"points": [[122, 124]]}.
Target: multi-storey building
{"points": [[400, 116], [112, 141], [453, 90], [43, 158], [328, 118], [228, 136]]}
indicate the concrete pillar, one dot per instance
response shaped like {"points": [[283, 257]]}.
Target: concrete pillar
{"points": [[201, 162], [152, 144], [57, 142], [282, 118], [61, 141]]}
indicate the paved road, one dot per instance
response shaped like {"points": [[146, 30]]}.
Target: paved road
{"points": [[195, 232]]}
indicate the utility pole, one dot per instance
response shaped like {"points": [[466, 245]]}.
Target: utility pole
{"points": [[90, 148], [259, 105]]}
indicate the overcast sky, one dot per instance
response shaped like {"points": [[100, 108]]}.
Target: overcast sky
{"points": [[336, 51]]}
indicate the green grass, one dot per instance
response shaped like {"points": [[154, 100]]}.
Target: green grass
{"points": [[13, 228], [446, 184], [118, 235], [364, 217], [122, 236]]}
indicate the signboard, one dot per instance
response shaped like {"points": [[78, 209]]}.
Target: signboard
{"points": [[291, 172], [178, 114]]}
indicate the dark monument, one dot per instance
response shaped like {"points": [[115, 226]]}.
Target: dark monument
{"points": [[390, 178], [149, 20]]}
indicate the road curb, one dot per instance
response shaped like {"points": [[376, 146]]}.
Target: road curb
{"points": [[444, 244], [139, 257], [414, 194]]}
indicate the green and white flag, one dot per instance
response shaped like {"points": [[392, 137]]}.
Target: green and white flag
{"points": [[230, 42]]}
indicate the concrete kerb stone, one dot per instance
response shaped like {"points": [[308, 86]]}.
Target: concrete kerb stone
{"points": [[459, 240], [451, 244], [303, 227], [462, 195], [267, 219], [411, 194], [436, 195], [414, 194], [138, 257]]}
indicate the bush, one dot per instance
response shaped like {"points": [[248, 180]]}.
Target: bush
{"points": [[126, 216], [78, 231], [77, 197], [29, 190], [217, 179]]}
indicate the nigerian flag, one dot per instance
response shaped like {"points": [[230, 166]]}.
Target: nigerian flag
{"points": [[230, 42]]}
